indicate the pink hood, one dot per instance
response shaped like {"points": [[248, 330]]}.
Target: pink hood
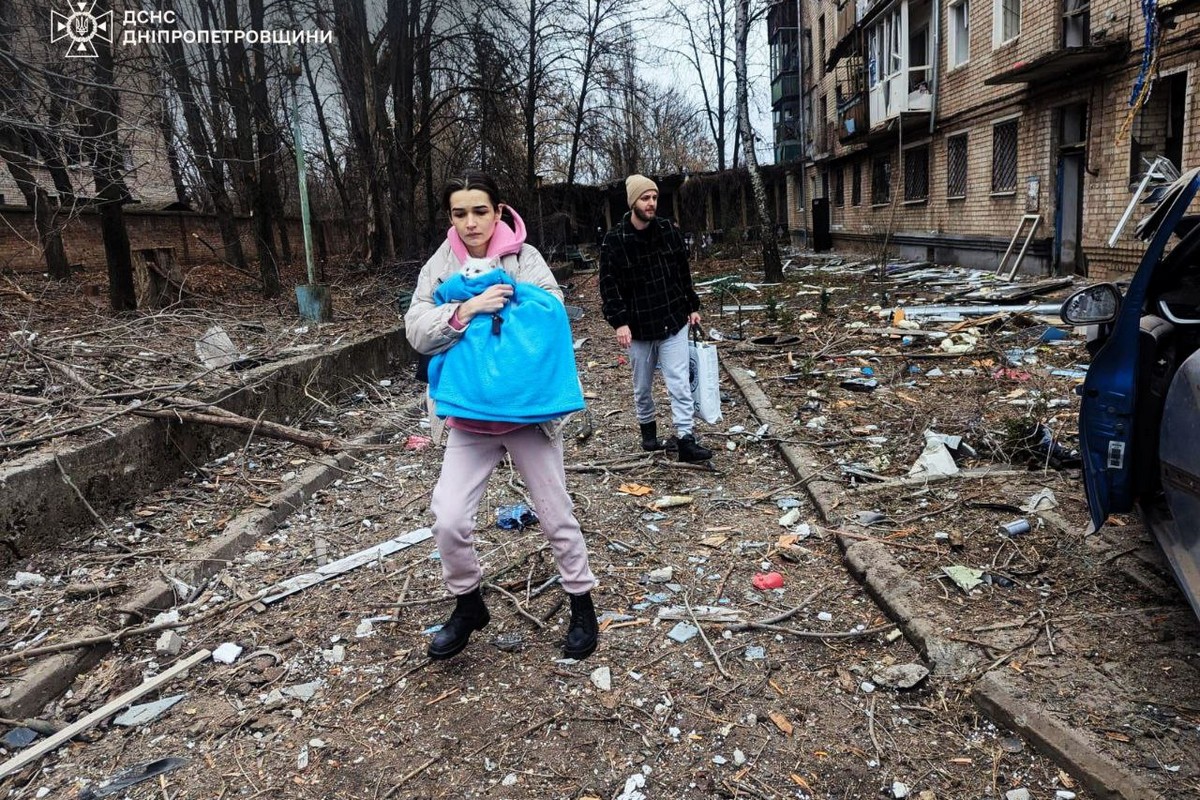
{"points": [[505, 240]]}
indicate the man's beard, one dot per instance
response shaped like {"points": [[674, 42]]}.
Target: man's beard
{"points": [[637, 212]]}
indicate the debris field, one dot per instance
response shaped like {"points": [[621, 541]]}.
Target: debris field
{"points": [[739, 655]]}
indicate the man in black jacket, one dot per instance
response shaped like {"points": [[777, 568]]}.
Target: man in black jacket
{"points": [[647, 296]]}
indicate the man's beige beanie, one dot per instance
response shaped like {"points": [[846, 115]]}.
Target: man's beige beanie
{"points": [[636, 186]]}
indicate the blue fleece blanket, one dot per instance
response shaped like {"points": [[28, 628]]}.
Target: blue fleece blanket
{"points": [[524, 373]]}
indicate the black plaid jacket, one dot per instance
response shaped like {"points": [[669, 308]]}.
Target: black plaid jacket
{"points": [[645, 282]]}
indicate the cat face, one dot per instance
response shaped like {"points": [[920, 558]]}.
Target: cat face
{"points": [[474, 267]]}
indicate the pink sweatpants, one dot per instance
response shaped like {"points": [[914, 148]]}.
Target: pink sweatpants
{"points": [[466, 467]]}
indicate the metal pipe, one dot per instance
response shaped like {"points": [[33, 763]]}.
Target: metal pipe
{"points": [[1042, 309], [800, 121], [937, 60], [301, 177]]}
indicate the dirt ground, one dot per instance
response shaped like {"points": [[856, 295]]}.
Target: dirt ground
{"points": [[332, 695]]}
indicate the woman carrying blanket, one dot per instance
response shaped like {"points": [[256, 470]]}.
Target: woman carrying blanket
{"points": [[478, 326]]}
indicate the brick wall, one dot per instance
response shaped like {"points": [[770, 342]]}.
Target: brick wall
{"points": [[965, 105], [191, 235]]}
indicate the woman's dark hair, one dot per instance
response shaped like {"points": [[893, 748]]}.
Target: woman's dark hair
{"points": [[471, 179]]}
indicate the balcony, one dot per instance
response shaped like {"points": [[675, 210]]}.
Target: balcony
{"points": [[785, 87], [1063, 65], [781, 15], [787, 152], [853, 121]]}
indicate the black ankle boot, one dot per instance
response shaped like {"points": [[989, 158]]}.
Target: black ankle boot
{"points": [[650, 440], [470, 614], [692, 451], [581, 636]]}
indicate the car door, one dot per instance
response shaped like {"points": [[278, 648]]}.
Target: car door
{"points": [[1108, 406]]}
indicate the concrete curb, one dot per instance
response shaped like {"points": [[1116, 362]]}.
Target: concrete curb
{"points": [[826, 495], [239, 534], [51, 676], [1005, 703], [41, 511], [891, 586], [870, 563]]}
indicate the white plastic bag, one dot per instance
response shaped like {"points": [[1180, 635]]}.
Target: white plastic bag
{"points": [[706, 380]]}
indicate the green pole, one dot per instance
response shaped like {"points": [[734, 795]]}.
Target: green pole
{"points": [[300, 176]]}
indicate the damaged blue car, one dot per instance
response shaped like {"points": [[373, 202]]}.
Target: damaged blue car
{"points": [[1139, 426]]}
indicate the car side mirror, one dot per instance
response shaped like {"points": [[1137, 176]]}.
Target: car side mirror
{"points": [[1093, 305]]}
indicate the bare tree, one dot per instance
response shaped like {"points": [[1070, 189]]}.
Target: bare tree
{"points": [[772, 263], [111, 192], [597, 30], [708, 49], [357, 70], [204, 148], [14, 89]]}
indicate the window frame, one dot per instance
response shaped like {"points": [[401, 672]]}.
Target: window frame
{"points": [[998, 33], [1016, 169], [963, 8], [881, 159], [964, 137], [905, 154]]}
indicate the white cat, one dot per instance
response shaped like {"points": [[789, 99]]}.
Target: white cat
{"points": [[474, 267]]}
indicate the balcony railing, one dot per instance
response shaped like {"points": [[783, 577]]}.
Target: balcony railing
{"points": [[787, 152], [785, 87]]}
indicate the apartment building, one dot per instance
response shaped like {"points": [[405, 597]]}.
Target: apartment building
{"points": [[945, 125], [47, 102]]}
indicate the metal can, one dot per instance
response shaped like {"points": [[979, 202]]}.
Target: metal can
{"points": [[1015, 528]]}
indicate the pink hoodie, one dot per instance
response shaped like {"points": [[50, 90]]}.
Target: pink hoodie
{"points": [[505, 240]]}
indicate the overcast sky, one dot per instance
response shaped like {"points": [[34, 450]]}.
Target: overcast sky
{"points": [[674, 67]]}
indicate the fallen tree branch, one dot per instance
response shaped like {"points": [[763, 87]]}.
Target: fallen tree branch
{"points": [[711, 650], [22, 399], [517, 604], [866, 537], [826, 635], [272, 430], [779, 617], [124, 633]]}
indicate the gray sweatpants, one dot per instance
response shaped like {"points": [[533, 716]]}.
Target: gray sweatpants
{"points": [[672, 354], [469, 461]]}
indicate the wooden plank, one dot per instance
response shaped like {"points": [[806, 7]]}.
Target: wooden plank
{"points": [[26, 757]]}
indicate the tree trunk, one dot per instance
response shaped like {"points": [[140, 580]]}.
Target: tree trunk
{"points": [[772, 264], [239, 100], [45, 211], [357, 77], [335, 171], [111, 192], [267, 136], [231, 236]]}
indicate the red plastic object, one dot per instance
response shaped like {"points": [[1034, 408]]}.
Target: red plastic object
{"points": [[767, 580], [415, 442]]}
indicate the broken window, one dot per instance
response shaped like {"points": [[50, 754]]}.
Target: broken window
{"points": [[916, 173], [960, 32], [1004, 156], [822, 53], [956, 166], [856, 185], [1006, 20], [881, 180], [1076, 22], [839, 187], [1159, 128]]}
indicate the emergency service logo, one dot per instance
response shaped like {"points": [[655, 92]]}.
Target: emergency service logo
{"points": [[80, 26]]}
